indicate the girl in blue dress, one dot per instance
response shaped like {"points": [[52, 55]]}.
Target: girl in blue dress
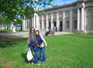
{"points": [[41, 45]]}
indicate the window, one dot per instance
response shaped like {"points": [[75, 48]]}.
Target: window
{"points": [[44, 24], [67, 24], [60, 14], [75, 24], [54, 15], [40, 25]]}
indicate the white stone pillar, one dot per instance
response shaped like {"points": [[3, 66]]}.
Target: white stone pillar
{"points": [[83, 16], [71, 22], [37, 22], [11, 26], [23, 25], [64, 22], [42, 22], [46, 20], [78, 19], [85, 23], [14, 28], [57, 20], [34, 21], [51, 20]]}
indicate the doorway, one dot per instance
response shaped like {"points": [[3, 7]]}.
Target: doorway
{"points": [[49, 25], [61, 24]]}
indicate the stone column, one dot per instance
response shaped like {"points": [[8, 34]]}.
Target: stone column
{"points": [[42, 22], [34, 21], [57, 20], [78, 19], [85, 30], [37, 22], [51, 20], [23, 25], [11, 26], [64, 28], [46, 20], [71, 22], [26, 24], [83, 16]]}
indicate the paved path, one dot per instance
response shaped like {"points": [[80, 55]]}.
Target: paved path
{"points": [[15, 35]]}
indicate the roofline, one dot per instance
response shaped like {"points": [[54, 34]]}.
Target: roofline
{"points": [[61, 6]]}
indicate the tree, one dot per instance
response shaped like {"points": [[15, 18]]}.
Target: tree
{"points": [[10, 9]]}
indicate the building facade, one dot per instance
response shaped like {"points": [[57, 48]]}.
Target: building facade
{"points": [[74, 17]]}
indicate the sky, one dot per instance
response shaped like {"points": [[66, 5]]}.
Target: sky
{"points": [[55, 2], [61, 2]]}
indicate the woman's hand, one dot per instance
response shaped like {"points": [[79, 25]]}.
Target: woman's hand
{"points": [[38, 45], [28, 42], [45, 45], [28, 49]]}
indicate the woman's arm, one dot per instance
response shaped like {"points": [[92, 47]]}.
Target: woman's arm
{"points": [[43, 40]]}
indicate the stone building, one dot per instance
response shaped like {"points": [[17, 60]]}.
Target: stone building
{"points": [[73, 17]]}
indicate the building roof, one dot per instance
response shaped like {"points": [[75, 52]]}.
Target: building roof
{"points": [[61, 6]]}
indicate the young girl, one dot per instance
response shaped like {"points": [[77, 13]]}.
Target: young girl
{"points": [[41, 43], [32, 44]]}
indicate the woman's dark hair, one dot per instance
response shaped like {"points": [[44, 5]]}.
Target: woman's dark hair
{"points": [[37, 31], [31, 29]]}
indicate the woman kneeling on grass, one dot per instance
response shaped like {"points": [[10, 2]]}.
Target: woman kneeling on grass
{"points": [[41, 43], [32, 44]]}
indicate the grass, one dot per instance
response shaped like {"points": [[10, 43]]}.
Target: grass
{"points": [[5, 30], [11, 30], [63, 51]]}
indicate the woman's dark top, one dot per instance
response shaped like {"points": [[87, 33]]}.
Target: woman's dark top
{"points": [[40, 41]]}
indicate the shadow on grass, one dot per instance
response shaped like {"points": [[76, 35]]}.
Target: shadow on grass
{"points": [[12, 43], [6, 44], [23, 55]]}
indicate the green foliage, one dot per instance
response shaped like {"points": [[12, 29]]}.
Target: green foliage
{"points": [[11, 8], [5, 20], [18, 21], [40, 12], [28, 12]]}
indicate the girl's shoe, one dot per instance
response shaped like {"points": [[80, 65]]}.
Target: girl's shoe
{"points": [[32, 63], [38, 64], [43, 61]]}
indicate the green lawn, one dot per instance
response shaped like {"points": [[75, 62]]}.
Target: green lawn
{"points": [[5, 30], [11, 30], [63, 51]]}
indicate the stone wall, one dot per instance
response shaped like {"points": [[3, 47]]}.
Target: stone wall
{"points": [[89, 19]]}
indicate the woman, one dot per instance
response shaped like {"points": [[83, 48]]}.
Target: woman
{"points": [[41, 43], [32, 41]]}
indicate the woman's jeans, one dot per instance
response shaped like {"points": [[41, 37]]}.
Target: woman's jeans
{"points": [[35, 50], [43, 53]]}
